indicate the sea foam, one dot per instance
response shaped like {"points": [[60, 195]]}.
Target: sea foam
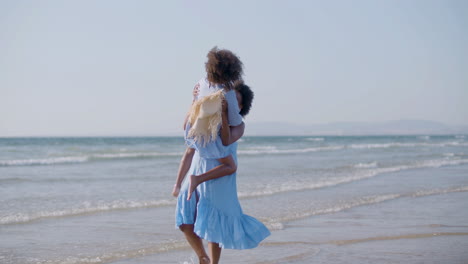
{"points": [[86, 158], [360, 201], [83, 209], [351, 177]]}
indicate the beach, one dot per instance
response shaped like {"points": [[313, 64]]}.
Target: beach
{"points": [[326, 199]]}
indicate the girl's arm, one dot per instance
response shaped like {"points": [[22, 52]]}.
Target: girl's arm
{"points": [[184, 167]]}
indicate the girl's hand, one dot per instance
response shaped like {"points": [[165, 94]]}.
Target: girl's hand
{"points": [[175, 190]]}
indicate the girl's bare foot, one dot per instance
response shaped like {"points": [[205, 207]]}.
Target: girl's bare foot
{"points": [[175, 190], [204, 260], [194, 182]]}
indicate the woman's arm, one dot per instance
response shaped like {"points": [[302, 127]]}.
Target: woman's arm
{"points": [[236, 133], [184, 167]]}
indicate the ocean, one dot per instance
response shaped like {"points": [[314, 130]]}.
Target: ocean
{"points": [[326, 199]]}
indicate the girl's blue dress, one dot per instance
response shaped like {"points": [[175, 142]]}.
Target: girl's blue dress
{"points": [[214, 207]]}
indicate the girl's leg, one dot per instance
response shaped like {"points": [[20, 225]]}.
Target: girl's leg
{"points": [[227, 167], [196, 243], [215, 252]]}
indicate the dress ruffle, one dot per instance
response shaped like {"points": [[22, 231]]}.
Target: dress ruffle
{"points": [[186, 211], [238, 231]]}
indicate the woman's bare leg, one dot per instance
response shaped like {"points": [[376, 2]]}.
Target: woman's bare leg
{"points": [[196, 243], [215, 252], [227, 167]]}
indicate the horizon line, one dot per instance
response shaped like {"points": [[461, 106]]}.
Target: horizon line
{"points": [[256, 135]]}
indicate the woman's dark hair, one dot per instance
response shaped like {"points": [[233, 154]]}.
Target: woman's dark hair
{"points": [[223, 67], [247, 97]]}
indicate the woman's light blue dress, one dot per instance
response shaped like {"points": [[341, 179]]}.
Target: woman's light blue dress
{"points": [[214, 207]]}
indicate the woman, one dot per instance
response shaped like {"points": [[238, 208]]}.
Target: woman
{"points": [[213, 212]]}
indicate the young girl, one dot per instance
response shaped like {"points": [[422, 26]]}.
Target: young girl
{"points": [[229, 135]]}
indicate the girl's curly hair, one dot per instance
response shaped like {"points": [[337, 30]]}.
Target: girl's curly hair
{"points": [[247, 97], [223, 67]]}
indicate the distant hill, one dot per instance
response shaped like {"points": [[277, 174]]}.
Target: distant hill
{"points": [[398, 127]]}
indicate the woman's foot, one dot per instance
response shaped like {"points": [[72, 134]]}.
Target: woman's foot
{"points": [[194, 182], [204, 260]]}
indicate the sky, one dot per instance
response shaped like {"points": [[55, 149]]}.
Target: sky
{"points": [[109, 67]]}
